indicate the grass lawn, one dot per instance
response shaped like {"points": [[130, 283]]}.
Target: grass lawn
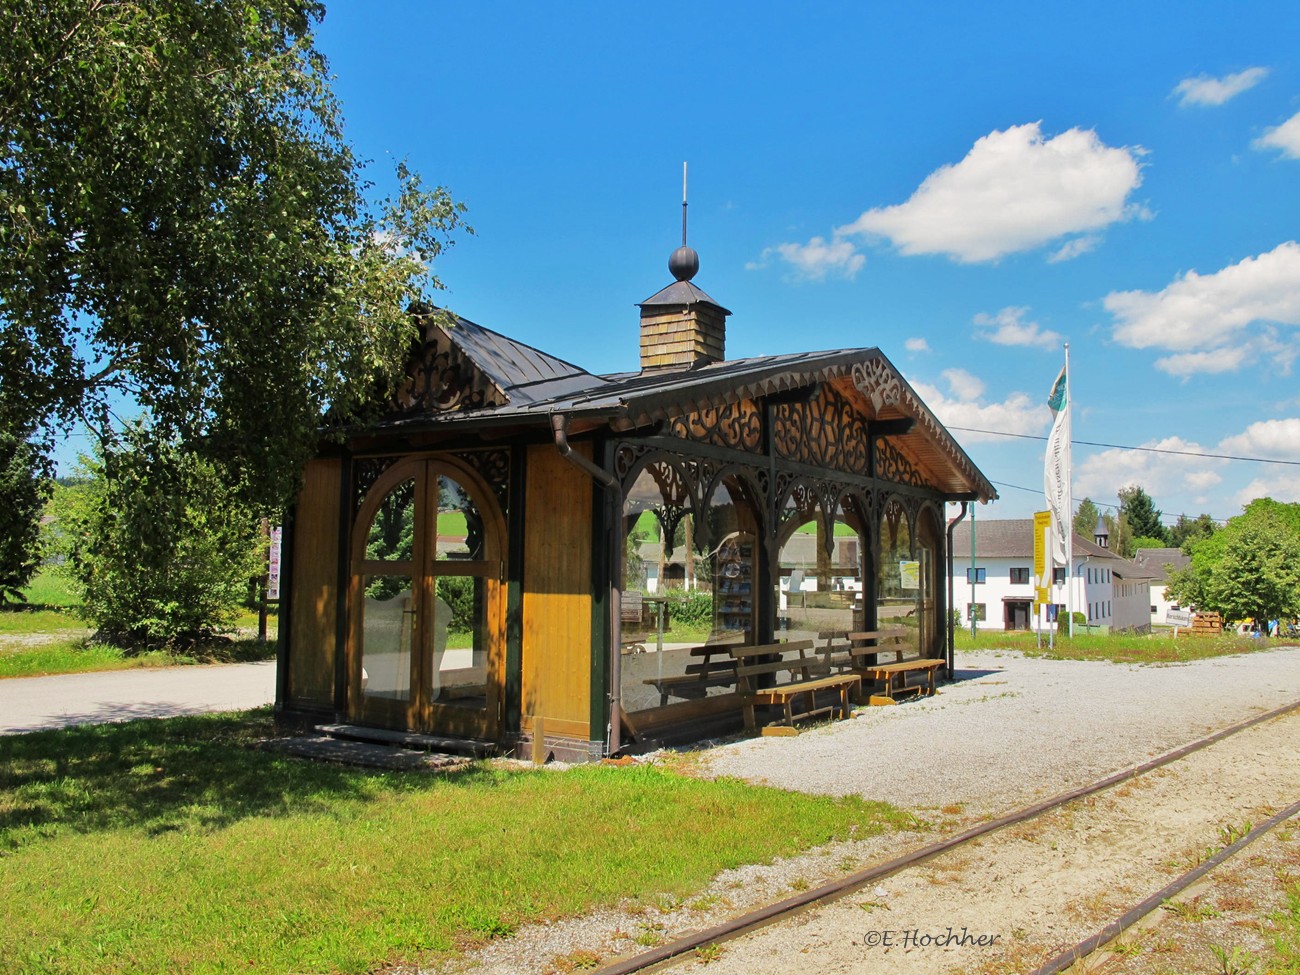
{"points": [[1124, 648], [172, 846]]}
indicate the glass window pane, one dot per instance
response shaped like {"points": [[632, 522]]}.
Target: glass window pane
{"points": [[392, 532], [899, 589], [387, 633], [460, 525], [460, 641]]}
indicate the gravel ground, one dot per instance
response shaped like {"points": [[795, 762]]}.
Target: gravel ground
{"points": [[1009, 730], [1013, 728]]}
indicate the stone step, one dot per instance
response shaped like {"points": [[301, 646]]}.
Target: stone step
{"points": [[323, 748], [471, 747]]}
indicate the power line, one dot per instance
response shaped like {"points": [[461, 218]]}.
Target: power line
{"points": [[1103, 504], [1117, 446]]}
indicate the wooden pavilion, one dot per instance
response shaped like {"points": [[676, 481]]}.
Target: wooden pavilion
{"points": [[482, 564]]}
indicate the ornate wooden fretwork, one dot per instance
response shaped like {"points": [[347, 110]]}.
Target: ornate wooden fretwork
{"points": [[895, 516], [625, 458], [827, 432], [893, 465], [493, 466], [440, 378], [365, 472], [878, 381], [880, 384], [735, 425]]}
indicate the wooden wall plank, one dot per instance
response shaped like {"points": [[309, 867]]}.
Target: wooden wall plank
{"points": [[556, 645], [315, 578]]}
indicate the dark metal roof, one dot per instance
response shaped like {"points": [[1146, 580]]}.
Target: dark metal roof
{"points": [[535, 385], [526, 375], [681, 293]]}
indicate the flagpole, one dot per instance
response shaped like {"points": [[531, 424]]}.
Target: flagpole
{"points": [[1069, 497]]}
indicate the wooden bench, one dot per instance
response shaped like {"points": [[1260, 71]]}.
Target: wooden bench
{"points": [[876, 643], [894, 678], [755, 663], [868, 648], [717, 669]]}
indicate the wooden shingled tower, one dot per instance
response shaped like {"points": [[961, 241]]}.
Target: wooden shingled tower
{"points": [[681, 326]]}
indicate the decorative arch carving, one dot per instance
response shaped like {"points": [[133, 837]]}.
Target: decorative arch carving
{"points": [[892, 465], [827, 432], [736, 425]]}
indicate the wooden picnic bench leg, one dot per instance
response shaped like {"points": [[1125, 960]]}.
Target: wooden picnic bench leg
{"points": [[749, 716]]}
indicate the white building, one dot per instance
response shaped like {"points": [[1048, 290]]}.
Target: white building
{"points": [[1161, 561], [1111, 592]]}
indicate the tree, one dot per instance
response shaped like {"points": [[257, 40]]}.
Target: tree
{"points": [[1249, 569], [1085, 519], [25, 487], [1187, 531], [157, 543], [1142, 516], [1120, 533], [182, 224]]}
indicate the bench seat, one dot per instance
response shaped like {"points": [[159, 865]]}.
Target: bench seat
{"points": [[894, 677], [754, 663]]}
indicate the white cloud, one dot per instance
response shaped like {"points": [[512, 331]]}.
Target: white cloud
{"points": [[1276, 439], [1014, 191], [1205, 320], [1285, 137], [1204, 90], [963, 385], [1200, 480], [960, 407], [1101, 475], [1283, 487], [1073, 248], [1008, 327], [815, 260], [916, 345]]}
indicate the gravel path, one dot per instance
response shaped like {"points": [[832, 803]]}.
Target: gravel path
{"points": [[1011, 729]]}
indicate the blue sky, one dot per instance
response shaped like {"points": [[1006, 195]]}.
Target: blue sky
{"points": [[964, 186]]}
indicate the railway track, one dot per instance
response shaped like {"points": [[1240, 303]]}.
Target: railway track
{"points": [[711, 940]]}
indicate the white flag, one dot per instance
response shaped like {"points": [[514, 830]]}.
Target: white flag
{"points": [[1056, 469]]}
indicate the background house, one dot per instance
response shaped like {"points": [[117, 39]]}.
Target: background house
{"points": [[1161, 561], [1112, 592]]}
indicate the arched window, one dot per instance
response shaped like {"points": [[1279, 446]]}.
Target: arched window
{"points": [[427, 621]]}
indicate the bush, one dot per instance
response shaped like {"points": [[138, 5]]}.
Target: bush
{"points": [[693, 608], [157, 544], [1063, 622], [458, 593], [25, 486]]}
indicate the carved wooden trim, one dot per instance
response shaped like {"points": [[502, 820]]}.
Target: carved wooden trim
{"points": [[440, 378], [735, 425], [892, 465], [828, 432]]}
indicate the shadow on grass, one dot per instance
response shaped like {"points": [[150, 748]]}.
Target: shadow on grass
{"points": [[199, 772]]}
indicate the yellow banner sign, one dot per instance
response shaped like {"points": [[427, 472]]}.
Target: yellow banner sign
{"points": [[1042, 523]]}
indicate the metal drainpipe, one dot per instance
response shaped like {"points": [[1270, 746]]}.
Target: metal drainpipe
{"points": [[951, 635], [560, 431]]}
